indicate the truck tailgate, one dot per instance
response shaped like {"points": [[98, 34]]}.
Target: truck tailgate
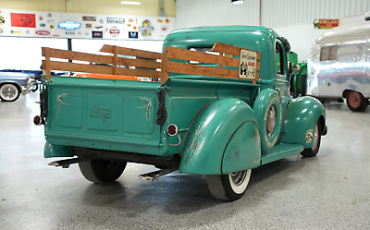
{"points": [[103, 114]]}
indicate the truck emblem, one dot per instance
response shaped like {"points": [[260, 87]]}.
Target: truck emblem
{"points": [[99, 112]]}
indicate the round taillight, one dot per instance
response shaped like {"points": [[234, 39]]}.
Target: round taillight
{"points": [[37, 120], [172, 130]]}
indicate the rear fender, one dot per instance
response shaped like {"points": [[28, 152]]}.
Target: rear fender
{"points": [[223, 138], [303, 113]]}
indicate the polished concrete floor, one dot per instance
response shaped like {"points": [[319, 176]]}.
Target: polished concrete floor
{"points": [[330, 191]]}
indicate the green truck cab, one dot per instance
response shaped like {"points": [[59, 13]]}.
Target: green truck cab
{"points": [[218, 127]]}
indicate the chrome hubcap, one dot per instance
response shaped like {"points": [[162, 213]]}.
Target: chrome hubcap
{"points": [[238, 177], [271, 120], [315, 138], [9, 92]]}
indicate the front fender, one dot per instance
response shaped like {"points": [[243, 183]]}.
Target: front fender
{"points": [[303, 113], [223, 138]]}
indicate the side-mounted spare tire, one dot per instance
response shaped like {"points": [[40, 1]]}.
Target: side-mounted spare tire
{"points": [[269, 113]]}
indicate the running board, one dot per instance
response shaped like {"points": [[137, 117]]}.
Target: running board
{"points": [[281, 151], [154, 176]]}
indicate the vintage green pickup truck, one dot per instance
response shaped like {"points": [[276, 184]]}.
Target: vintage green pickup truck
{"points": [[219, 126]]}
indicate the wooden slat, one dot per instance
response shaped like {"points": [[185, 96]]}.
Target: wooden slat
{"points": [[131, 52], [176, 67], [115, 61], [221, 47], [258, 66], [46, 53], [66, 66], [190, 55], [78, 56], [165, 63], [139, 63]]}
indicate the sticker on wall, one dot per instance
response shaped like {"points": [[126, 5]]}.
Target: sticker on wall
{"points": [[129, 25], [133, 34], [40, 17], [130, 20], [89, 18], [2, 20], [50, 21], [164, 28], [114, 31], [88, 26], [160, 20], [79, 33], [116, 20], [134, 27], [97, 34], [27, 31], [49, 15], [167, 20], [146, 28], [51, 26], [101, 21], [86, 33], [42, 25], [1, 31], [56, 35], [15, 32], [23, 20], [42, 32], [69, 25], [98, 27], [70, 33]]}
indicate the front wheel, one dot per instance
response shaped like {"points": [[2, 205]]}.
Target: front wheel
{"points": [[9, 92], [311, 152], [102, 171], [229, 187]]}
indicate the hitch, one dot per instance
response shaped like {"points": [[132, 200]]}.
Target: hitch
{"points": [[154, 176], [66, 163]]}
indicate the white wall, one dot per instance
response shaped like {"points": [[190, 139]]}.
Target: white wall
{"points": [[302, 36], [194, 13]]}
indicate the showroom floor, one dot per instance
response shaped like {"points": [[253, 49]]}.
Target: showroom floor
{"points": [[330, 191]]}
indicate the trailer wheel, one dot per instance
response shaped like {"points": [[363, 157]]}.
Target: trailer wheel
{"points": [[229, 187], [311, 152], [356, 101], [102, 171], [9, 92]]}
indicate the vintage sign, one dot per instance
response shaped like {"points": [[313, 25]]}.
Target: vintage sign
{"points": [[42, 25], [1, 31], [49, 15], [130, 20], [116, 20], [160, 20], [101, 21], [42, 32], [89, 18], [133, 34], [97, 34], [23, 20], [56, 35], [69, 25], [98, 27], [88, 25], [167, 20], [2, 20], [114, 31], [146, 28], [15, 32], [248, 62], [326, 23], [70, 33], [51, 26]]}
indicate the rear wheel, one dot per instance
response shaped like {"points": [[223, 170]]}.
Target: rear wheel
{"points": [[9, 92], [231, 186], [102, 171], [311, 152], [356, 101]]}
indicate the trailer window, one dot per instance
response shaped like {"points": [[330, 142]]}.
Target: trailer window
{"points": [[328, 53]]}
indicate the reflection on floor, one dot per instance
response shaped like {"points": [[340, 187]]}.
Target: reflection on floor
{"points": [[331, 190]]}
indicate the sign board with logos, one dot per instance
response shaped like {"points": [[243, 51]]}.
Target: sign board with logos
{"points": [[326, 23], [23, 23]]}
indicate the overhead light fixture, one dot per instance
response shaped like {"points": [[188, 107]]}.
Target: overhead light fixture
{"points": [[130, 3], [237, 2]]}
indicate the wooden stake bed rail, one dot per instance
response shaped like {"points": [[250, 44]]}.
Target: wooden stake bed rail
{"points": [[146, 62]]}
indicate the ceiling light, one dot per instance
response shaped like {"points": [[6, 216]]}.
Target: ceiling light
{"points": [[131, 3], [237, 2]]}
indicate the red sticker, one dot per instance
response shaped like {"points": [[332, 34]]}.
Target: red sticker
{"points": [[251, 64], [42, 32], [23, 20]]}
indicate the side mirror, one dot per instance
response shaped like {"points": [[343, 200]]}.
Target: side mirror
{"points": [[296, 68]]}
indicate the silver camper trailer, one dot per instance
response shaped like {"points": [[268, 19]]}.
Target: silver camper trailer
{"points": [[339, 65]]}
